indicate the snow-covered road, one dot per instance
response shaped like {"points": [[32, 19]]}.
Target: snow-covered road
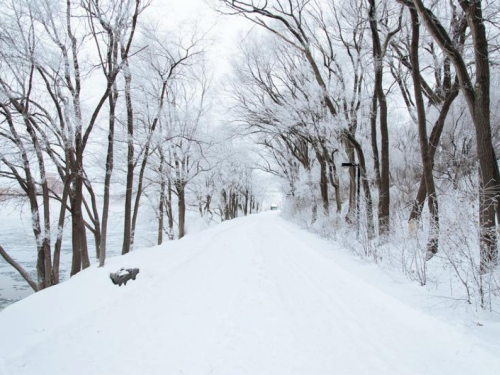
{"points": [[251, 296]]}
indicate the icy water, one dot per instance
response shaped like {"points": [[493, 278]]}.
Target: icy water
{"points": [[16, 237]]}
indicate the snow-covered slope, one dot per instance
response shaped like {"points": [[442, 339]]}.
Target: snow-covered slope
{"points": [[252, 296]]}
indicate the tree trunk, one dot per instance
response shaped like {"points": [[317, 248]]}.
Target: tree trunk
{"points": [[161, 211], [225, 204], [488, 175], [334, 181], [208, 203], [170, 212], [234, 205], [79, 237], [384, 195], [365, 183], [107, 178], [93, 214], [144, 163], [352, 186], [373, 127], [127, 235], [181, 204], [200, 206], [437, 130], [478, 100], [60, 229], [245, 207], [138, 194], [323, 182], [161, 204], [44, 262], [427, 164]]}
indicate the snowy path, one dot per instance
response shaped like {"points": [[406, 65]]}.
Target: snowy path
{"points": [[252, 296]]}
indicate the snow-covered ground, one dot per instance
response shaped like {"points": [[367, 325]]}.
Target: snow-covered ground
{"points": [[255, 295]]}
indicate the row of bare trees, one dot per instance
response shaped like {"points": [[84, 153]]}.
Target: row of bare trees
{"points": [[319, 71], [97, 97], [314, 85], [44, 70]]}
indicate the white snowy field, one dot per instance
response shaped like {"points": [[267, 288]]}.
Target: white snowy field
{"points": [[255, 295]]}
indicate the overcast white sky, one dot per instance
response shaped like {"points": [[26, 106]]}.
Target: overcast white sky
{"points": [[184, 14]]}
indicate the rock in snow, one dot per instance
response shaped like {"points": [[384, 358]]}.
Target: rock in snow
{"points": [[123, 275]]}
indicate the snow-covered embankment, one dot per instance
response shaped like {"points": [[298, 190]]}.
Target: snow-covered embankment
{"points": [[252, 296]]}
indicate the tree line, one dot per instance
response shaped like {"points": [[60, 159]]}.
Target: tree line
{"points": [[399, 91], [368, 82], [95, 97]]}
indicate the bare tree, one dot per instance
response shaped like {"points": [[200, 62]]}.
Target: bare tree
{"points": [[477, 96], [295, 31], [427, 163], [46, 102], [117, 22], [379, 52], [438, 88], [164, 61]]}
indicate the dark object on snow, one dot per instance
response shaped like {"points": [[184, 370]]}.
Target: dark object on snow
{"points": [[124, 275]]}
